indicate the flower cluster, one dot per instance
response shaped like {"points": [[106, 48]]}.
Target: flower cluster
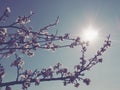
{"points": [[23, 20], [26, 41], [47, 72], [27, 76]]}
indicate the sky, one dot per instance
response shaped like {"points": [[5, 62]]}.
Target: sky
{"points": [[74, 16]]}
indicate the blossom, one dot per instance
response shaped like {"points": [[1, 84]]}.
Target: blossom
{"points": [[37, 81], [47, 72], [77, 67], [28, 72], [71, 45], [22, 20], [57, 66], [30, 54], [16, 44], [26, 46], [61, 38], [44, 32], [66, 36], [47, 46], [77, 39], [31, 12], [62, 71], [99, 53], [103, 49], [8, 10], [18, 63], [36, 45], [26, 84], [77, 85], [100, 60], [86, 81], [3, 31], [72, 78], [26, 75], [20, 32], [64, 83], [84, 48], [23, 77]]}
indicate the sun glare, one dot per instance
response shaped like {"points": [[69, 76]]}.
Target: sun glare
{"points": [[90, 34]]}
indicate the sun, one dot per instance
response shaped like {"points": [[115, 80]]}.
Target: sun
{"points": [[90, 34]]}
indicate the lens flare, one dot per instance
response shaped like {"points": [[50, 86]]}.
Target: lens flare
{"points": [[90, 34]]}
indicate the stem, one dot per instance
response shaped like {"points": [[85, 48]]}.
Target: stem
{"points": [[17, 73]]}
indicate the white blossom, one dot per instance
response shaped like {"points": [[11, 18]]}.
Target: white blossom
{"points": [[18, 63], [8, 10], [37, 81], [3, 31]]}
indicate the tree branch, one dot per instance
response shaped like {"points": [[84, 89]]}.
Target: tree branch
{"points": [[32, 81]]}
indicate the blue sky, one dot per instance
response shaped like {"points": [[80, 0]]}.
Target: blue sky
{"points": [[74, 15]]}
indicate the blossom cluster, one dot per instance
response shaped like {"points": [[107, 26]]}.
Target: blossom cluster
{"points": [[72, 77], [27, 76], [23, 20], [26, 40]]}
